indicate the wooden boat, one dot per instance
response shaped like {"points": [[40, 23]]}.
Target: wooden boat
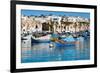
{"points": [[86, 34], [28, 37], [58, 44], [69, 41], [42, 39]]}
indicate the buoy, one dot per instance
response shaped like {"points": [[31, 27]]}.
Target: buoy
{"points": [[51, 45]]}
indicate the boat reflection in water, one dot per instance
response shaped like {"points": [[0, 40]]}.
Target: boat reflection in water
{"points": [[41, 52]]}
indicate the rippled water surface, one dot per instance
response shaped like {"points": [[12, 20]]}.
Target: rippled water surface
{"points": [[41, 52]]}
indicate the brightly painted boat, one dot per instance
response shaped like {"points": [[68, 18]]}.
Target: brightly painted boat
{"points": [[58, 44], [42, 39], [69, 41]]}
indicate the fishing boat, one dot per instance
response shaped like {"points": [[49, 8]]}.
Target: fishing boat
{"points": [[27, 37], [86, 34], [42, 39], [58, 44], [68, 41]]}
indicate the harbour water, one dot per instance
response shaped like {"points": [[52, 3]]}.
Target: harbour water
{"points": [[41, 52]]}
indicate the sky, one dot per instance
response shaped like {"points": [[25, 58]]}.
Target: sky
{"points": [[39, 12]]}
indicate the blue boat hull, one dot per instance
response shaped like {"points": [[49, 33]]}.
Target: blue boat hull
{"points": [[68, 42], [57, 44], [39, 41]]}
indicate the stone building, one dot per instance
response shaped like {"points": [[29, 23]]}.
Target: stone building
{"points": [[54, 23]]}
